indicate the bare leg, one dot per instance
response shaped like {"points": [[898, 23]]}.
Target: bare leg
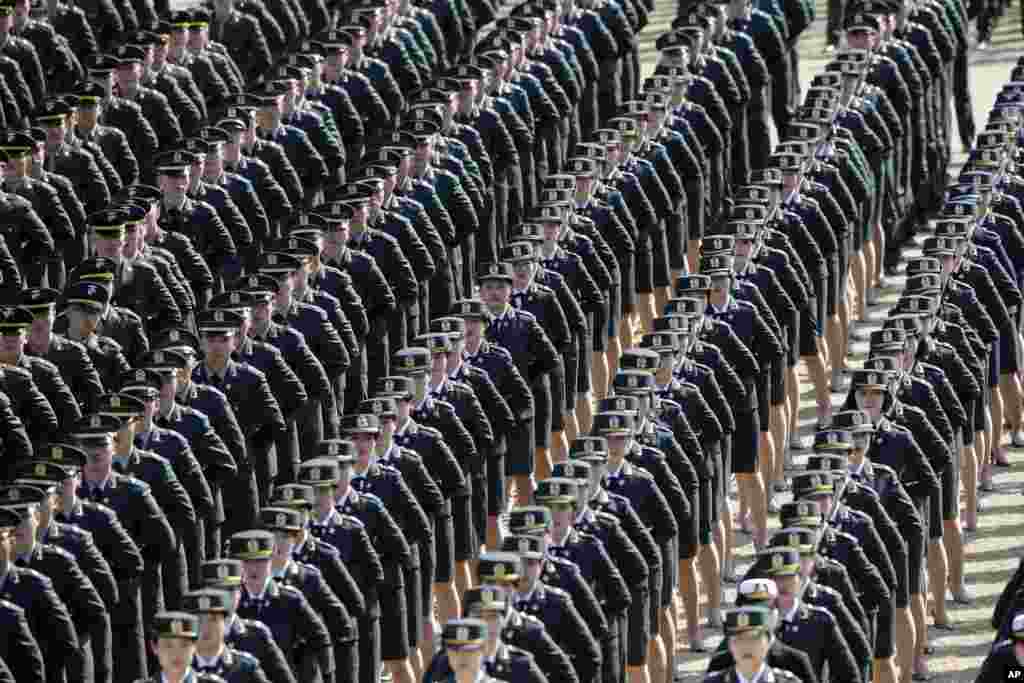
{"points": [[693, 255], [953, 540], [401, 671], [657, 659], [524, 487], [969, 477], [599, 377], [661, 297], [647, 311], [906, 646], [752, 488], [857, 272], [917, 605], [883, 670], [463, 577], [998, 416], [938, 572], [793, 394], [584, 412], [691, 599], [448, 605], [559, 453], [625, 337], [638, 674], [708, 563], [668, 629], [572, 428]]}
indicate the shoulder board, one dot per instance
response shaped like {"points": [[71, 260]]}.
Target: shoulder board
{"points": [[430, 431], [35, 577], [390, 471], [857, 514], [884, 470], [461, 386], [107, 344], [291, 591], [10, 608], [444, 404], [372, 499], [606, 518], [57, 550], [558, 592], [18, 372], [245, 659], [641, 473], [848, 538], [132, 484], [820, 612], [130, 315], [351, 522], [745, 304], [783, 675]]}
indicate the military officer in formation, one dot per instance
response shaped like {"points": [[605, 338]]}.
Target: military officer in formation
{"points": [[302, 301]]}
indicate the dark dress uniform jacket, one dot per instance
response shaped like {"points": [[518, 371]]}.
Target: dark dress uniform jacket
{"points": [[555, 608], [780, 656], [253, 637], [814, 632], [47, 617], [294, 624], [132, 501], [234, 666], [340, 626], [18, 646], [528, 633]]}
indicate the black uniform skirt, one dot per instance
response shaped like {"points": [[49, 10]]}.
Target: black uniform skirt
{"points": [[644, 269], [541, 426], [661, 260], [466, 546], [558, 391], [444, 549], [393, 615], [745, 442]]}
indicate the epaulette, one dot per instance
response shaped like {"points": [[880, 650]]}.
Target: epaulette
{"points": [[351, 522], [129, 314], [716, 675], [883, 469], [246, 661], [107, 344], [641, 473], [390, 471], [558, 592], [57, 550], [783, 675], [291, 591], [19, 372], [132, 484], [436, 433], [10, 607], [606, 518], [461, 386], [444, 404], [409, 454], [820, 612], [858, 514], [742, 303]]}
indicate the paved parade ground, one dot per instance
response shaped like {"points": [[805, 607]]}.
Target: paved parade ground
{"points": [[994, 550]]}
